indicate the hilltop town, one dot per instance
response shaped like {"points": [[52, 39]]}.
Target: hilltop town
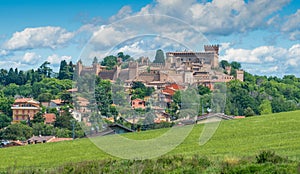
{"points": [[121, 94]]}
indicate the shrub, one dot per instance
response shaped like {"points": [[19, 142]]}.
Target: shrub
{"points": [[269, 156]]}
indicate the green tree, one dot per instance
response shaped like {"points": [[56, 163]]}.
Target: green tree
{"points": [[45, 69], [65, 71], [63, 120], [42, 129], [203, 90], [248, 112], [17, 132], [235, 65], [4, 120], [38, 118], [109, 61], [265, 107], [159, 57], [45, 97], [224, 64]]}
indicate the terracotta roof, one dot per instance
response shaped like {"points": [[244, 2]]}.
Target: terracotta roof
{"points": [[82, 101], [60, 139], [25, 100], [137, 99], [237, 117], [57, 101], [168, 91], [72, 90], [49, 117], [174, 86]]}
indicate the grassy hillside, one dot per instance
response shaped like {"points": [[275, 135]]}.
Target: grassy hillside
{"points": [[239, 138]]}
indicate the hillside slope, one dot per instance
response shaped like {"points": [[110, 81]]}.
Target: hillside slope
{"points": [[243, 137]]}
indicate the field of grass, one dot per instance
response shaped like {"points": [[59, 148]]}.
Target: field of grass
{"points": [[234, 138]]}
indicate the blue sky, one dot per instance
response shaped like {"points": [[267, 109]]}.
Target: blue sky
{"points": [[263, 35]]}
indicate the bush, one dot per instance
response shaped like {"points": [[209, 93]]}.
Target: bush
{"points": [[269, 156]]}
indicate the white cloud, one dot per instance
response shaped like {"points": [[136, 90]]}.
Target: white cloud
{"points": [[56, 59], [124, 12], [31, 57], [256, 55], [41, 37], [267, 60], [270, 69], [291, 26], [218, 16], [4, 52]]}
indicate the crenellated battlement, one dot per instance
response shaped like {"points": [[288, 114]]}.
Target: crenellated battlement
{"points": [[211, 48]]}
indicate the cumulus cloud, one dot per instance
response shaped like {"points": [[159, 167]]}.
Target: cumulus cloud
{"points": [[56, 59], [256, 55], [4, 52], [267, 59], [40, 37], [31, 57], [292, 26], [218, 16], [124, 12]]}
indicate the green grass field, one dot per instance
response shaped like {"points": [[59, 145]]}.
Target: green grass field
{"points": [[234, 138]]}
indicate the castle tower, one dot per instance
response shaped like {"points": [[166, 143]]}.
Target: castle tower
{"points": [[133, 70], [215, 50], [78, 67], [240, 75]]}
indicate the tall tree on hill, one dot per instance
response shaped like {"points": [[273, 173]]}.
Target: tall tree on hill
{"points": [[45, 69], [224, 64], [109, 61], [38, 118], [235, 65], [159, 57], [64, 71], [123, 57]]}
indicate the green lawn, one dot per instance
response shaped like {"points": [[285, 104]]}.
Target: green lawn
{"points": [[239, 138]]}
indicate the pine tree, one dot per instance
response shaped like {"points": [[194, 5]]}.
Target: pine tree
{"points": [[159, 57]]}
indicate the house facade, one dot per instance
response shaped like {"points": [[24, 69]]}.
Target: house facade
{"points": [[24, 109]]}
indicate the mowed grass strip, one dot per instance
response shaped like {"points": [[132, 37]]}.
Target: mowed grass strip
{"points": [[241, 137]]}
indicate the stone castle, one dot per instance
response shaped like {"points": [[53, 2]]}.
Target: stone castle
{"points": [[185, 67]]}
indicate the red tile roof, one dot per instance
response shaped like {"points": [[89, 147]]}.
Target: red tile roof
{"points": [[73, 90], [49, 118], [25, 100], [168, 91], [57, 101], [60, 139], [174, 86]]}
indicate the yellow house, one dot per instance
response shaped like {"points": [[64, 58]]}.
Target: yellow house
{"points": [[24, 108]]}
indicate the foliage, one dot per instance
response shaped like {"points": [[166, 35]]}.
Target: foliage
{"points": [[269, 156], [4, 120], [224, 64], [124, 57], [159, 56], [139, 90], [63, 120], [265, 107], [66, 70], [38, 118], [103, 96], [249, 112], [109, 61], [203, 90], [17, 132]]}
